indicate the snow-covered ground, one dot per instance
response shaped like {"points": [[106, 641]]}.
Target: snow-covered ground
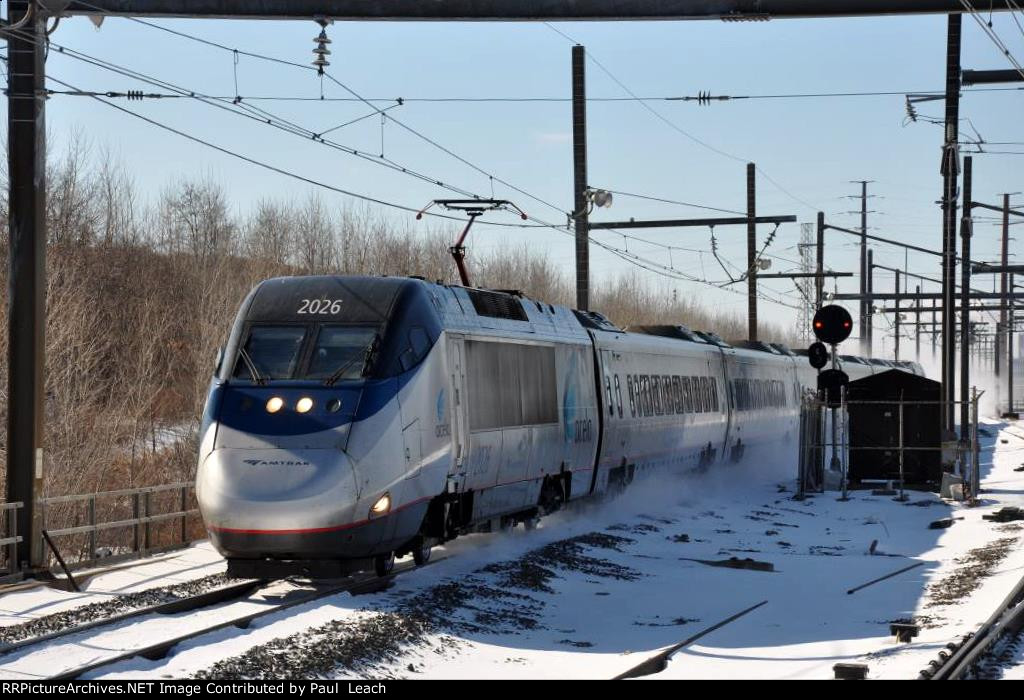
{"points": [[593, 593]]}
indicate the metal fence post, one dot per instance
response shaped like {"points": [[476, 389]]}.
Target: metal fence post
{"points": [[843, 414], [43, 512], [145, 514], [138, 525], [92, 522], [975, 447], [184, 517], [12, 548], [902, 495]]}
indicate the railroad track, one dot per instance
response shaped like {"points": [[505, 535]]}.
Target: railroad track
{"points": [[205, 599], [962, 661], [360, 584]]}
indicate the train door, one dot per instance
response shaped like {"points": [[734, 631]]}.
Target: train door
{"points": [[459, 427], [728, 398]]}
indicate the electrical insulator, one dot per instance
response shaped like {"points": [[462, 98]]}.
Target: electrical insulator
{"points": [[321, 52]]}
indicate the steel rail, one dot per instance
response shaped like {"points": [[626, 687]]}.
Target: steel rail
{"points": [[367, 583], [1007, 619], [202, 600]]}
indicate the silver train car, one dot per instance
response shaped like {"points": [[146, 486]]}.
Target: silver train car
{"points": [[351, 420]]}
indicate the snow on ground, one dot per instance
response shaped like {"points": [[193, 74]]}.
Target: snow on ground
{"points": [[594, 592], [174, 567]]}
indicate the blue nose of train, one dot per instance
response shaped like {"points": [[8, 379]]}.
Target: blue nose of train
{"points": [[277, 502]]}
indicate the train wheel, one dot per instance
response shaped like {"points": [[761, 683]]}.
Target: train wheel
{"points": [[421, 555], [383, 564], [530, 523]]}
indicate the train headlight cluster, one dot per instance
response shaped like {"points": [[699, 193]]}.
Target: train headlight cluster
{"points": [[382, 506], [275, 404], [304, 405]]}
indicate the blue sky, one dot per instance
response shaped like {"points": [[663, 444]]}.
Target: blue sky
{"points": [[811, 147]]}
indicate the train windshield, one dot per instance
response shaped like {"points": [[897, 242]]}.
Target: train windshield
{"points": [[341, 352], [278, 352], [272, 352]]}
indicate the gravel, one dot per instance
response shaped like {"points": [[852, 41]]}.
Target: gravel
{"points": [[104, 609], [504, 597], [971, 570]]}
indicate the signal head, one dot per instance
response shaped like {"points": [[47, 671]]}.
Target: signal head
{"points": [[832, 324]]}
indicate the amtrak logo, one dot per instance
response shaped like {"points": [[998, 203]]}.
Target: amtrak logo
{"points": [[275, 463]]}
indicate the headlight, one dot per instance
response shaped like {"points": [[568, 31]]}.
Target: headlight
{"points": [[382, 506], [304, 404], [275, 404]]}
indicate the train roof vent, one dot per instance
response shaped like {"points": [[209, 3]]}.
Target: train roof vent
{"points": [[678, 332], [595, 320], [496, 305], [712, 338], [754, 345]]}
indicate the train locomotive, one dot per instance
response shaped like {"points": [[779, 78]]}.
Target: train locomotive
{"points": [[351, 420]]}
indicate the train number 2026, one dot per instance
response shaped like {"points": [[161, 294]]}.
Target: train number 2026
{"points": [[320, 306], [584, 430]]}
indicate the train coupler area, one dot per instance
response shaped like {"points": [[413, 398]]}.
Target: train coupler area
{"points": [[269, 569]]}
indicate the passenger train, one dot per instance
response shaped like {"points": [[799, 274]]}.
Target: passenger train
{"points": [[351, 420]]}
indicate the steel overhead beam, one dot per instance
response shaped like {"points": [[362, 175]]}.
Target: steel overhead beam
{"points": [[798, 275], [983, 269], [681, 223], [901, 244], [928, 310], [991, 207], [981, 77], [884, 240], [507, 10], [882, 296]]}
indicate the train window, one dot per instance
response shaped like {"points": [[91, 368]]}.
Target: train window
{"points": [[714, 394], [698, 394], [274, 352], [510, 385], [645, 381], [684, 383], [666, 395], [705, 394], [608, 395], [618, 394], [677, 394], [538, 384], [656, 394], [632, 398], [341, 352]]}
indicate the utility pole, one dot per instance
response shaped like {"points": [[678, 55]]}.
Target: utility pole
{"points": [[752, 261], [26, 154], [581, 217], [949, 209], [935, 327], [965, 302], [1009, 358], [896, 350], [819, 281], [917, 325], [865, 338], [869, 328], [1004, 260]]}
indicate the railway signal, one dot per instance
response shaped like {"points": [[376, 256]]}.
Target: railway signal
{"points": [[818, 355], [832, 324]]}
